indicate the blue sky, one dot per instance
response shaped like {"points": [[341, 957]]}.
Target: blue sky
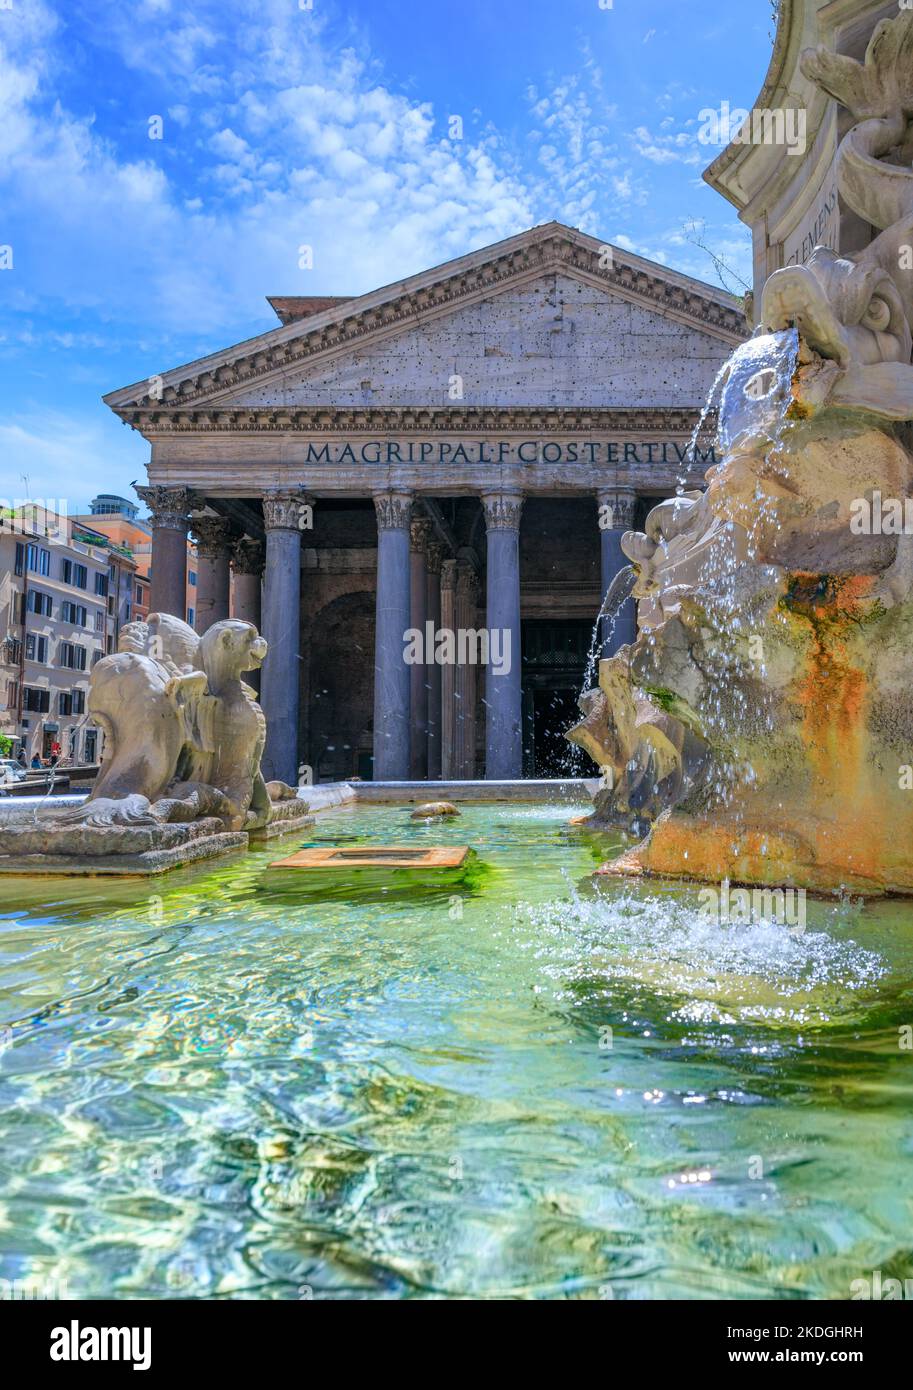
{"points": [[284, 126]]}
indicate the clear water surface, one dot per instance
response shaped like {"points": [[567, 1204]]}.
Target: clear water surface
{"points": [[217, 1084]]}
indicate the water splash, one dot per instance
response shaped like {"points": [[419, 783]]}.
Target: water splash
{"points": [[762, 972], [617, 594]]}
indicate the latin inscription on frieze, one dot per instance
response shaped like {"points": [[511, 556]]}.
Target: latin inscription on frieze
{"points": [[530, 451]]}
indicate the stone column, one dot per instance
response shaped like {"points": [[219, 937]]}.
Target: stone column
{"points": [[420, 534], [616, 515], [435, 553], [467, 674], [214, 535], [448, 673], [503, 697], [279, 681], [170, 508], [247, 561], [391, 674]]}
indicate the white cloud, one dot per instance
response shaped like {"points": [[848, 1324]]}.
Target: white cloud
{"points": [[311, 151], [679, 147], [67, 456]]}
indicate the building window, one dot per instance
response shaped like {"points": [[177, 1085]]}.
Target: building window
{"points": [[139, 593], [101, 584], [40, 603], [12, 694], [34, 557], [72, 655], [91, 742], [192, 578], [71, 702], [190, 616], [99, 622], [36, 699], [75, 574], [74, 613], [36, 647]]}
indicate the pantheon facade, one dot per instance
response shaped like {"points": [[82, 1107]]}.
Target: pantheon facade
{"points": [[456, 453]]}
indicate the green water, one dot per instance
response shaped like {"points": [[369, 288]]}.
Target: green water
{"points": [[215, 1087]]}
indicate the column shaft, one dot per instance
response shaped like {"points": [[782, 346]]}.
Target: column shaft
{"points": [[214, 538], [433, 616], [170, 508], [503, 691], [246, 589], [466, 677], [392, 690], [420, 531], [448, 673], [281, 628], [616, 516]]}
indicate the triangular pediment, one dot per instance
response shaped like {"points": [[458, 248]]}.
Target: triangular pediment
{"points": [[551, 316]]}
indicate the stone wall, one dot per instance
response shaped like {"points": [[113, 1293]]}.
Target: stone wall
{"points": [[556, 341]]}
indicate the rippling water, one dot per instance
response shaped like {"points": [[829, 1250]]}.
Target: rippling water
{"points": [[217, 1086]]}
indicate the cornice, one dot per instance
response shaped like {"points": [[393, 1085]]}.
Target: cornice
{"points": [[540, 252], [469, 420], [745, 173]]}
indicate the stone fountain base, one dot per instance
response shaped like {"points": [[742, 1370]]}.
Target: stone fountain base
{"points": [[42, 847], [821, 856], [285, 818]]}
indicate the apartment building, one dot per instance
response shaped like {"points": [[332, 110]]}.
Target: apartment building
{"points": [[65, 592], [118, 518]]}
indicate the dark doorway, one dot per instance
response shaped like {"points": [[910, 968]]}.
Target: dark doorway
{"points": [[554, 661], [554, 712], [341, 710]]}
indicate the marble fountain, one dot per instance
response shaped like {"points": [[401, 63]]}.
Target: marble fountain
{"points": [[760, 728]]}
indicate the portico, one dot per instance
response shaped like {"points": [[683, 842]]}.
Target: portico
{"points": [[466, 448]]}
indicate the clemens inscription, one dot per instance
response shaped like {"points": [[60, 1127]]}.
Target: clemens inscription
{"points": [[821, 228]]}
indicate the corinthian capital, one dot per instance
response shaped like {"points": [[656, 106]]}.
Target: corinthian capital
{"points": [[248, 556], [394, 510], [502, 510], [419, 533], [434, 557], [448, 575], [617, 507], [170, 506], [467, 582], [286, 511], [213, 535]]}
